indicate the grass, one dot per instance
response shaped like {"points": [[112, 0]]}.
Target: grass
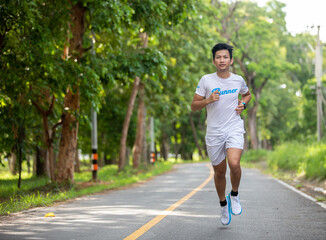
{"points": [[321, 199], [254, 156], [39, 192], [306, 159], [301, 159], [300, 165]]}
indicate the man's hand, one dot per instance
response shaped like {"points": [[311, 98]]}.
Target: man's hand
{"points": [[215, 96], [240, 107]]}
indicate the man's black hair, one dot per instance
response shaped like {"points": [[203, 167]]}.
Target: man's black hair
{"points": [[222, 46]]}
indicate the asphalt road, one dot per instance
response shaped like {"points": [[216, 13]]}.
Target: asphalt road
{"points": [[270, 211]]}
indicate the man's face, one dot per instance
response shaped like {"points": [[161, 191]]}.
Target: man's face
{"points": [[222, 60]]}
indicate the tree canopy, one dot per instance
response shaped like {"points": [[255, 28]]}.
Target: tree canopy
{"points": [[58, 59]]}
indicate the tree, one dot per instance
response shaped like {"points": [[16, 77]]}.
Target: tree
{"points": [[69, 133], [78, 26], [187, 48], [165, 12], [256, 34], [20, 70]]}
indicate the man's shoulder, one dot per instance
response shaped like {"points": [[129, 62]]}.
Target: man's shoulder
{"points": [[236, 76], [209, 76]]}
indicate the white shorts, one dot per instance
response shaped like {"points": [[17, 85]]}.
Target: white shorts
{"points": [[217, 145]]}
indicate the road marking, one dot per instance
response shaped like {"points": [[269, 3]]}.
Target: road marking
{"points": [[158, 218], [301, 193]]}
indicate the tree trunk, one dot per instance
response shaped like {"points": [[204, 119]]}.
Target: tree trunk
{"points": [[202, 128], [193, 128], [13, 163], [267, 144], [246, 142], [183, 145], [49, 135], [20, 150], [34, 163], [28, 160], [68, 141], [252, 125], [165, 146], [40, 161], [51, 160], [146, 145], [128, 150], [123, 140], [77, 162], [138, 145], [144, 40], [43, 101], [176, 145], [20, 145]]}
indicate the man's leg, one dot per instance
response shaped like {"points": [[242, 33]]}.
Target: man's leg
{"points": [[234, 156], [220, 183], [219, 179]]}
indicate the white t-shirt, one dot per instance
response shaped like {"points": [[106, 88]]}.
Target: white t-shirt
{"points": [[221, 115]]}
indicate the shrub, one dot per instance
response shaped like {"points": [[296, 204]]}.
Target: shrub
{"points": [[305, 158], [315, 161], [258, 155], [287, 156]]}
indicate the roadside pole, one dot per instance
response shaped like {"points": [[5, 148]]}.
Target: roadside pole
{"points": [[318, 74], [152, 159], [94, 132], [94, 145]]}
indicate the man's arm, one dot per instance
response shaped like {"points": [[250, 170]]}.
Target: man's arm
{"points": [[245, 99], [200, 102]]}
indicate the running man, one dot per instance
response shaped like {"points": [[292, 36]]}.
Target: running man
{"points": [[219, 92]]}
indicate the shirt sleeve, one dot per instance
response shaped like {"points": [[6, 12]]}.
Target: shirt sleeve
{"points": [[244, 89], [200, 90]]}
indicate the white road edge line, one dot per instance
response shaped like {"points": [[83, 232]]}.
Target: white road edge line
{"points": [[323, 205]]}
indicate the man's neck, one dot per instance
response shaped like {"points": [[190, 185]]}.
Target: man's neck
{"points": [[225, 74]]}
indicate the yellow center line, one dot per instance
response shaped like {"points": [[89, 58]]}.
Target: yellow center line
{"points": [[158, 218]]}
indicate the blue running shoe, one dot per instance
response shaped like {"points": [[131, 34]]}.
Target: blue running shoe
{"points": [[235, 204], [226, 212]]}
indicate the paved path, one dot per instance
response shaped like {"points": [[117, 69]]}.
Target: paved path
{"points": [[270, 211]]}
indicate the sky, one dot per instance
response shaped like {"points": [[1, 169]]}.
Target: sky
{"points": [[302, 14]]}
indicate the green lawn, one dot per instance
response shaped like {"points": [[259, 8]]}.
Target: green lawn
{"points": [[40, 191]]}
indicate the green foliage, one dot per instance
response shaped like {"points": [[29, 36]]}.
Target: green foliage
{"points": [[287, 156], [304, 158], [308, 113], [300, 54], [279, 110], [8, 187], [153, 15], [315, 161], [180, 37], [28, 62], [252, 156], [41, 193]]}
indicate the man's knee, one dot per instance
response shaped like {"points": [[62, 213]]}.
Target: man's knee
{"points": [[234, 156], [220, 172], [234, 166]]}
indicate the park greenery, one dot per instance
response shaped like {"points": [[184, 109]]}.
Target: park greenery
{"points": [[39, 192], [133, 60]]}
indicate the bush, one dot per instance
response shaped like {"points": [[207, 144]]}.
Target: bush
{"points": [[315, 164], [252, 156], [308, 159], [287, 156]]}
